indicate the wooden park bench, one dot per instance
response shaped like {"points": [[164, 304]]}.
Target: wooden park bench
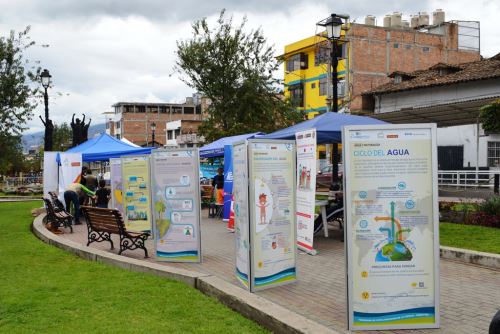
{"points": [[57, 218], [101, 223], [58, 206]]}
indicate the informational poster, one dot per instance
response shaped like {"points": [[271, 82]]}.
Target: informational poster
{"points": [[176, 205], [136, 193], [306, 188], [70, 170], [50, 173], [115, 168], [272, 212], [392, 226], [241, 214], [228, 181]]}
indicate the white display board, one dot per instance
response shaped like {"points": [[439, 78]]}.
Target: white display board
{"points": [[50, 173], [176, 204], [241, 214], [70, 170], [392, 226], [306, 188], [136, 193], [115, 171], [264, 205]]}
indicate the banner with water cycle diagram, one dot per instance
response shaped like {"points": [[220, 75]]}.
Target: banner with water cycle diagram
{"points": [[136, 189], [392, 226], [176, 205], [272, 212]]}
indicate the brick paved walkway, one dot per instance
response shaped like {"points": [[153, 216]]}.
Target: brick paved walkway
{"points": [[470, 295]]}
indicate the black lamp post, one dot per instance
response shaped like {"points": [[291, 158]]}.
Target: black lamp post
{"points": [[153, 129], [333, 25], [49, 127]]}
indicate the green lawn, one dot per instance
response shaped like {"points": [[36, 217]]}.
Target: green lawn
{"points": [[479, 238], [46, 290]]}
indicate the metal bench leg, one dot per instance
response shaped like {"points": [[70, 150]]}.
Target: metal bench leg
{"points": [[324, 220]]}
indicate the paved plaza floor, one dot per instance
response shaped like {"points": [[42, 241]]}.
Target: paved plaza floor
{"points": [[470, 295]]}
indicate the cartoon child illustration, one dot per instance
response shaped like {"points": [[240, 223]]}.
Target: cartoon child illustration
{"points": [[262, 205]]}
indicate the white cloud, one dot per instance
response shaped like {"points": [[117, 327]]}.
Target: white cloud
{"points": [[102, 52]]}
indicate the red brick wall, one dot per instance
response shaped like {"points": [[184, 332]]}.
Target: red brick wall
{"points": [[374, 55], [136, 126]]}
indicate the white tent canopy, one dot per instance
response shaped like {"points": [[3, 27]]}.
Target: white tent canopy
{"points": [[126, 141]]}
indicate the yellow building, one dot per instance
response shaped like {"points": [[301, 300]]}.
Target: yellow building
{"points": [[306, 65]]}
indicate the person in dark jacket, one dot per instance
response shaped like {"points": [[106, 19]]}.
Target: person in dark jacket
{"points": [[103, 195]]}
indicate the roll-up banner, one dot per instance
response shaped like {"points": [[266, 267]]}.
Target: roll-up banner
{"points": [[176, 204], [306, 188], [228, 181], [392, 226], [136, 193], [115, 168], [241, 214], [70, 170]]}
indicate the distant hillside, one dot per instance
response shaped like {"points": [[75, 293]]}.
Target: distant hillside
{"points": [[36, 138]]}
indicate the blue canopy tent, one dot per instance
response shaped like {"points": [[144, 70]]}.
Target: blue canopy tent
{"points": [[216, 148], [328, 127], [104, 147]]}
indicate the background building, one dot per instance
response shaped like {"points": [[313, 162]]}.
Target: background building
{"points": [[133, 120], [184, 133], [371, 54]]}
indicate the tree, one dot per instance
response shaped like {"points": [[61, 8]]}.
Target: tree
{"points": [[62, 137], [234, 69], [11, 159], [17, 94], [489, 116]]}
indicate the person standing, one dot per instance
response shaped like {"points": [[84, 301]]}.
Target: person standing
{"points": [[103, 195], [73, 193], [91, 180], [218, 184]]}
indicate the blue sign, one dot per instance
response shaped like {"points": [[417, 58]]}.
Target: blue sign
{"points": [[228, 180]]}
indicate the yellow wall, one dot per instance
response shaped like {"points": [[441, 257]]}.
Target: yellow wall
{"points": [[313, 102]]}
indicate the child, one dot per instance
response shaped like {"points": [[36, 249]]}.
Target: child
{"points": [[103, 195]]}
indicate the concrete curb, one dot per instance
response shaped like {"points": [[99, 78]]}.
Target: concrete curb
{"points": [[469, 256], [266, 313]]}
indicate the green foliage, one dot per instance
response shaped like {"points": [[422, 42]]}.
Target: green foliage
{"points": [[17, 96], [11, 158], [489, 117], [47, 290], [479, 238], [234, 69], [491, 206], [62, 137]]}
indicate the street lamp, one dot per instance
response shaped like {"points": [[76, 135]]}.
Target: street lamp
{"points": [[49, 127], [333, 26], [153, 129]]}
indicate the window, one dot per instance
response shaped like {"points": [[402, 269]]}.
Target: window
{"points": [[129, 108], [408, 46], [188, 110], [297, 95], [323, 56], [494, 154], [170, 134], [141, 109], [198, 109], [313, 85], [107, 125], [152, 109], [118, 124], [396, 45], [118, 137], [176, 110], [163, 110], [297, 62], [323, 86], [425, 49]]}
